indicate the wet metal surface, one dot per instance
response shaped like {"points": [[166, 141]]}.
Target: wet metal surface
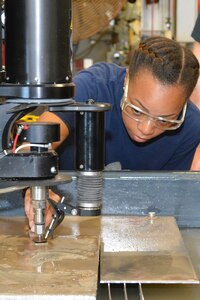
{"points": [[144, 250], [64, 268], [134, 249]]}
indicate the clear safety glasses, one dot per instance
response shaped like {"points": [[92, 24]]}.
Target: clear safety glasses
{"points": [[138, 115]]}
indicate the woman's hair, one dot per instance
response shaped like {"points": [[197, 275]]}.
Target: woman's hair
{"points": [[168, 61]]}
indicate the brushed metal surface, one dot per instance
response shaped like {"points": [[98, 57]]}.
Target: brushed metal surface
{"points": [[144, 250], [64, 268]]}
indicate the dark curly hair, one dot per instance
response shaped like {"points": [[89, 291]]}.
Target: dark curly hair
{"points": [[168, 61]]}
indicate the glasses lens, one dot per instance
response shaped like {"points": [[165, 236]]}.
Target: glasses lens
{"points": [[134, 113], [138, 115], [166, 125]]}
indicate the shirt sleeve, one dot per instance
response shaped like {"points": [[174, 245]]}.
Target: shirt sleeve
{"points": [[187, 141], [183, 156], [86, 87]]}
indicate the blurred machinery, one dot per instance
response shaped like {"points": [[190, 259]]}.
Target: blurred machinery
{"points": [[134, 21], [89, 17], [92, 28]]}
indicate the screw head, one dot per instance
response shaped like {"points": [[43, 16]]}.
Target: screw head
{"points": [[151, 214], [53, 170], [74, 212]]}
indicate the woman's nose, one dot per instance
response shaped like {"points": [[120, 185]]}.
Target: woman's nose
{"points": [[146, 127]]}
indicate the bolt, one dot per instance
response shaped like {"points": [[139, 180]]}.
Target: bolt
{"points": [[53, 170], [90, 101], [151, 214], [74, 212]]}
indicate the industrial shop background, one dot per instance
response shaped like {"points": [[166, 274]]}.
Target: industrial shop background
{"points": [[136, 20]]}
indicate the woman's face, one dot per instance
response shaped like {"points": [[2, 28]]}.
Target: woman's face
{"points": [[151, 96]]}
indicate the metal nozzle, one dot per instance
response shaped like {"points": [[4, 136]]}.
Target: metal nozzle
{"points": [[39, 196]]}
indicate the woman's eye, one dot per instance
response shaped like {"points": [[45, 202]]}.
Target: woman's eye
{"points": [[163, 122], [136, 111]]}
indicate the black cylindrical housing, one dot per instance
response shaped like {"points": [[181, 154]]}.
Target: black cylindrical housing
{"points": [[90, 141], [38, 41], [40, 132]]}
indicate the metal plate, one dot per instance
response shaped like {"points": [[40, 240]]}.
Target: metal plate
{"points": [[11, 189], [136, 249], [144, 250], [91, 105], [64, 268], [191, 238], [60, 178]]}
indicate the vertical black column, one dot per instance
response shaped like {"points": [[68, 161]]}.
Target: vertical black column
{"points": [[89, 161], [90, 141], [38, 41]]}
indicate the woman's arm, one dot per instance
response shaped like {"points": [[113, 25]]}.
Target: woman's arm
{"points": [[51, 117]]}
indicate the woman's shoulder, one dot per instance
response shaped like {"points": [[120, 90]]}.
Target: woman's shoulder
{"points": [[191, 126], [101, 81], [102, 71], [192, 114]]}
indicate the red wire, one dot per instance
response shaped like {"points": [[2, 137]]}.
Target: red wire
{"points": [[25, 127], [15, 143]]}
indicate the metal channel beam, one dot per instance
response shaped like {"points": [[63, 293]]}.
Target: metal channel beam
{"points": [[134, 193]]}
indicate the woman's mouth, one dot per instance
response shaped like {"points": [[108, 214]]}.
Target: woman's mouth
{"points": [[137, 138]]}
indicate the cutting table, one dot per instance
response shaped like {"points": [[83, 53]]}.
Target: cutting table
{"points": [[145, 254], [89, 252]]}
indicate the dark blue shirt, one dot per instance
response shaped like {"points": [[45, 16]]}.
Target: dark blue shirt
{"points": [[173, 150]]}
